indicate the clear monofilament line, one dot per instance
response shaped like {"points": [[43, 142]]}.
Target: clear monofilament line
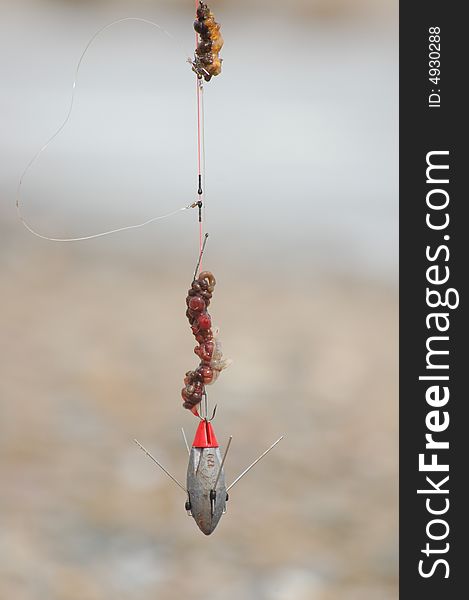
{"points": [[102, 233], [19, 203]]}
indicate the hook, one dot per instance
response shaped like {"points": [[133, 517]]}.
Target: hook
{"points": [[213, 414]]}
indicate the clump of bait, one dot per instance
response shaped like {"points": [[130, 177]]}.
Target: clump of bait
{"points": [[207, 62], [209, 346]]}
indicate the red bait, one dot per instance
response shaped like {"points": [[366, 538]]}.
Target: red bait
{"points": [[209, 346]]}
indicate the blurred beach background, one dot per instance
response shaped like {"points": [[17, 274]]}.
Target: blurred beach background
{"points": [[301, 206]]}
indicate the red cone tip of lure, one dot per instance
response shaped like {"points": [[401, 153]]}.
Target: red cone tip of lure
{"points": [[205, 436]]}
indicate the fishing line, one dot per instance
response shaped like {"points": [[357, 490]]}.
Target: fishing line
{"points": [[200, 152], [19, 203], [202, 134]]}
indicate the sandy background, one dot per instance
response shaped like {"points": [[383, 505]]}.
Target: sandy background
{"points": [[94, 342]]}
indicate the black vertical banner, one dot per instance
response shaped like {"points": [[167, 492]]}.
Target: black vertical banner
{"points": [[434, 267]]}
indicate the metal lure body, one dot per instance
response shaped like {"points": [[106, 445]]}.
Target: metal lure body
{"points": [[207, 493], [206, 486]]}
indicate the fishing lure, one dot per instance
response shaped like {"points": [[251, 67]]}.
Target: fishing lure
{"points": [[207, 62]]}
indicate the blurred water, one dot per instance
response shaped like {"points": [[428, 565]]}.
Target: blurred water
{"points": [[301, 131], [301, 173]]}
